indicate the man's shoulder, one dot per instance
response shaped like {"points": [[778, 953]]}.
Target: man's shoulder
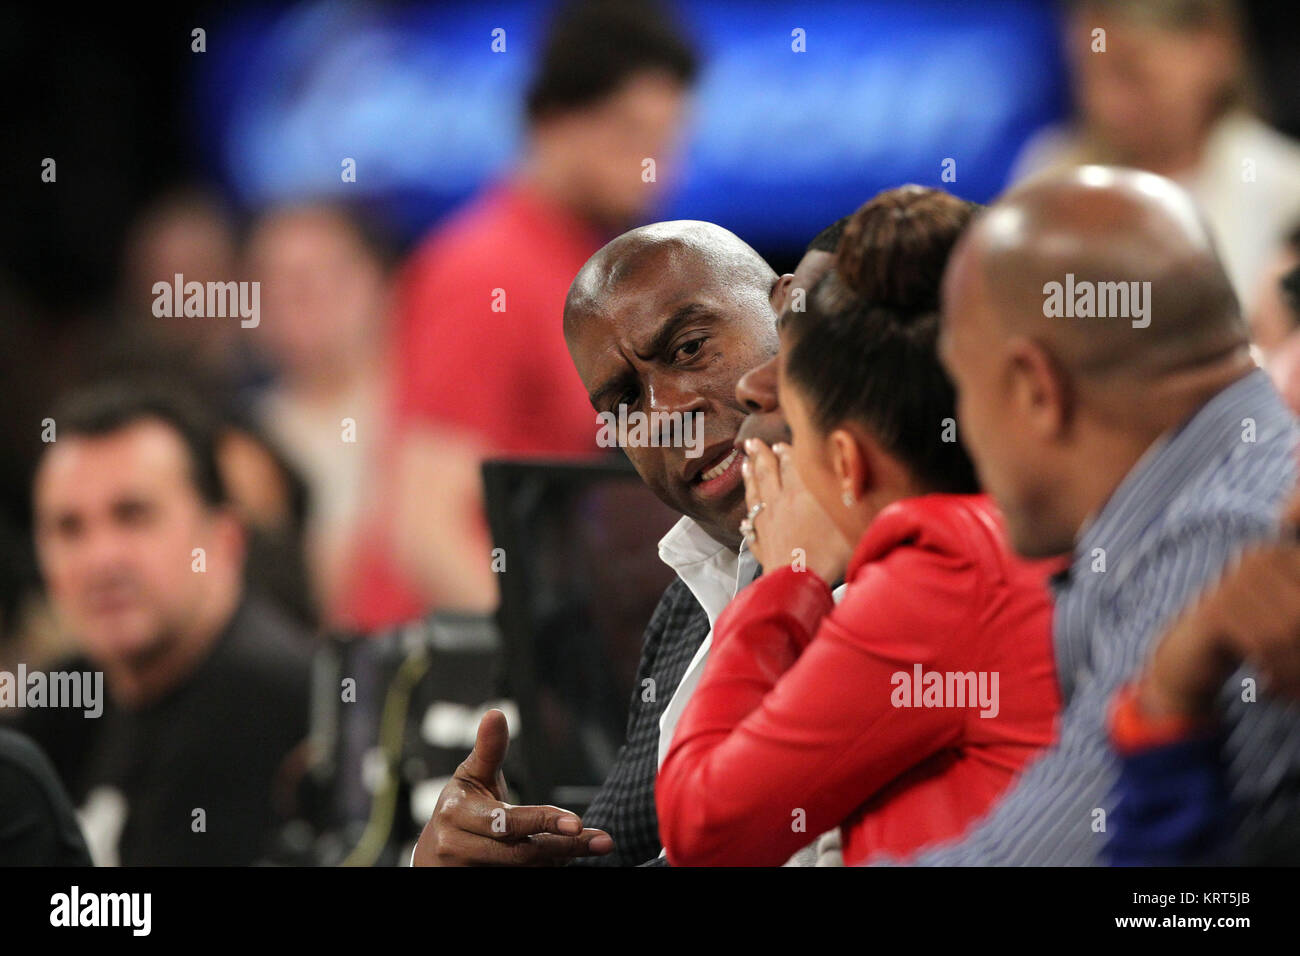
{"points": [[255, 685], [1245, 466], [676, 629], [476, 237], [263, 639], [40, 826], [1236, 502], [676, 605], [20, 756], [1193, 539]]}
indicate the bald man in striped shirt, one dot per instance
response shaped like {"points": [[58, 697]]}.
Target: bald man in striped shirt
{"points": [[1141, 440]]}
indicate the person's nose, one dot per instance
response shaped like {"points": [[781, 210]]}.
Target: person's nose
{"points": [[666, 394], [101, 553], [756, 389]]}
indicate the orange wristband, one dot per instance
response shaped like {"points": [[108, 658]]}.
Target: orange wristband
{"points": [[1132, 730]]}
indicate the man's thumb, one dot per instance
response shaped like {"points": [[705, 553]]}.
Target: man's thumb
{"points": [[484, 761]]}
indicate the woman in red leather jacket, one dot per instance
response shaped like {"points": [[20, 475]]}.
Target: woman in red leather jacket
{"points": [[901, 714]]}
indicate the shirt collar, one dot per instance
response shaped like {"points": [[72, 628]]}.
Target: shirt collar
{"points": [[712, 571], [1170, 463]]}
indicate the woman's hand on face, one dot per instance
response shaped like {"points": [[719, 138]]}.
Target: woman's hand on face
{"points": [[791, 527]]}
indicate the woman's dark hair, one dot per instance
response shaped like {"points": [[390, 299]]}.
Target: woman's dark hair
{"points": [[864, 349]]}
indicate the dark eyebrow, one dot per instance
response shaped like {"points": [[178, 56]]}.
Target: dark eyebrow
{"points": [[668, 331]]}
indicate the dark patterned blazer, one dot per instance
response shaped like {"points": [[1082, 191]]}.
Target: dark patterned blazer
{"points": [[625, 805]]}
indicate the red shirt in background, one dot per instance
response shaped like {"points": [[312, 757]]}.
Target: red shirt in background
{"points": [[797, 726], [504, 377], [501, 378]]}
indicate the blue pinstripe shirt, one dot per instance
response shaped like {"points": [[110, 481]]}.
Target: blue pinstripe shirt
{"points": [[1195, 499]]}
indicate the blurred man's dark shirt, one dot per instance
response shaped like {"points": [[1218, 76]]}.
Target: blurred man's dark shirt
{"points": [[216, 743]]}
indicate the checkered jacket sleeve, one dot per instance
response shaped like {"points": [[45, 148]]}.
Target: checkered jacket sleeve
{"points": [[625, 805]]}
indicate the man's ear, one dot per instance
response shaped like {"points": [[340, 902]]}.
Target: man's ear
{"points": [[780, 296], [1041, 393], [851, 462]]}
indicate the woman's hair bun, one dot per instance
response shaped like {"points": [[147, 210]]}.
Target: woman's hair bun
{"points": [[895, 247]]}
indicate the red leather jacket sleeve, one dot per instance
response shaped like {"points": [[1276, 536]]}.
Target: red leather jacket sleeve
{"points": [[792, 726]]}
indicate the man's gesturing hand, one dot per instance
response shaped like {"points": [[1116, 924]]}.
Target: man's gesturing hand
{"points": [[472, 825]]}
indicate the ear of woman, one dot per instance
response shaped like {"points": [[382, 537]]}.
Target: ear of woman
{"points": [[851, 461]]}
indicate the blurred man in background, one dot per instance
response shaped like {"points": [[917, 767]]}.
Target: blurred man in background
{"points": [[1162, 85], [186, 230], [207, 688], [482, 366], [325, 301]]}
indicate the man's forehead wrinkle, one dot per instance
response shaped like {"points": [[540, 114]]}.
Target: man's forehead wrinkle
{"points": [[637, 258]]}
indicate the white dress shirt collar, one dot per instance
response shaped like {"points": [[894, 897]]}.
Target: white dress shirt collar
{"points": [[712, 571]]}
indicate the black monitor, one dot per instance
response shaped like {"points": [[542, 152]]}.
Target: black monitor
{"points": [[581, 578]]}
